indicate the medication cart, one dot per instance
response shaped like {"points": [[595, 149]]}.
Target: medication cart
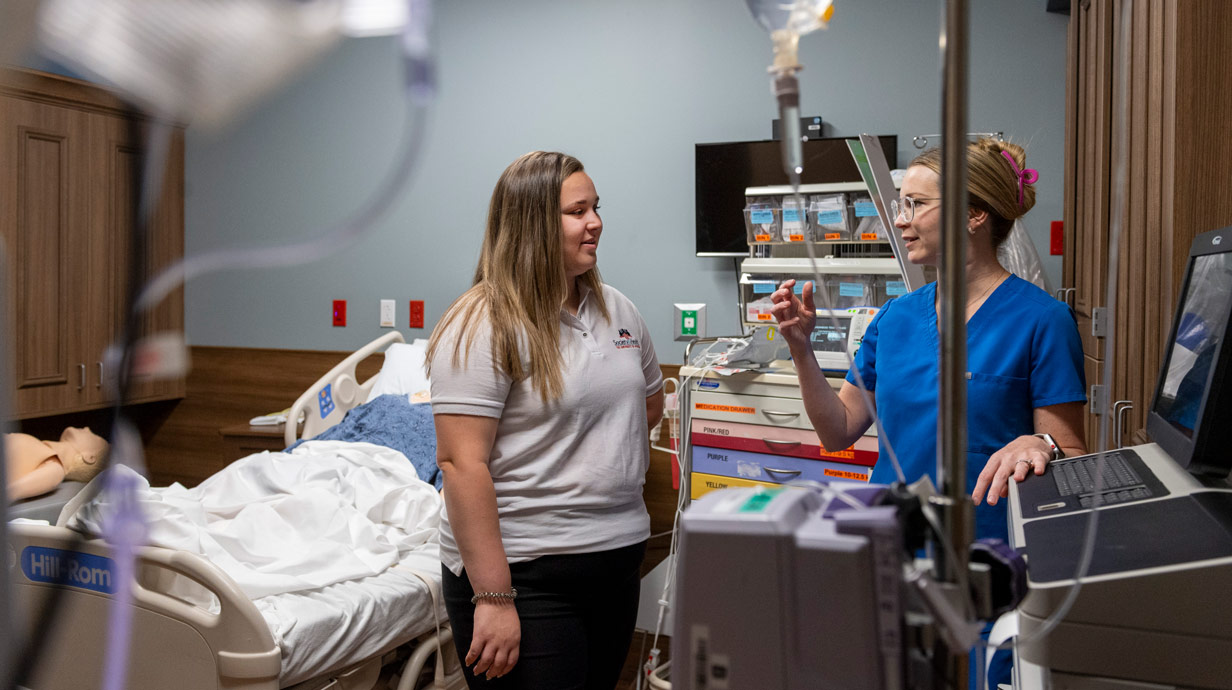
{"points": [[750, 429]]}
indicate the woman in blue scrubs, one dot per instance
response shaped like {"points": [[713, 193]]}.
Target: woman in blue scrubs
{"points": [[1026, 387]]}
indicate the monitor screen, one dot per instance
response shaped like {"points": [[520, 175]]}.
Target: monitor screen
{"points": [[1189, 412], [722, 171], [1199, 333], [830, 335]]}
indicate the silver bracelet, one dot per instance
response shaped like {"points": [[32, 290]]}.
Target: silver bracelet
{"points": [[510, 595]]}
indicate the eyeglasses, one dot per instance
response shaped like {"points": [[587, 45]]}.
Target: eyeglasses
{"points": [[905, 206]]}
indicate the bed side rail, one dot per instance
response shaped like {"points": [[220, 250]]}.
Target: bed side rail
{"points": [[327, 401], [177, 641]]}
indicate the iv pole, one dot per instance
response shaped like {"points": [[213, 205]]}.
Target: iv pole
{"points": [[955, 508]]}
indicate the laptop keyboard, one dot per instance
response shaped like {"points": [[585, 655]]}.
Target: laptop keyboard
{"points": [[1120, 483]]}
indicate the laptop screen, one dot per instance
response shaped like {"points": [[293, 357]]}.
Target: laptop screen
{"points": [[1189, 413]]}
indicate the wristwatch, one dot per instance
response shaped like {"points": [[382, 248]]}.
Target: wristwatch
{"points": [[1057, 453]]}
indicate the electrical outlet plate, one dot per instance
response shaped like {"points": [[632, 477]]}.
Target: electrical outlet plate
{"points": [[387, 313], [339, 312], [417, 313]]}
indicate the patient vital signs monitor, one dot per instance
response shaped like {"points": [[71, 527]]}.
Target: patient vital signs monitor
{"points": [[1154, 605]]}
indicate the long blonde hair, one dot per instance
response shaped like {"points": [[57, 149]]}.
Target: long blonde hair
{"points": [[520, 284], [992, 184]]}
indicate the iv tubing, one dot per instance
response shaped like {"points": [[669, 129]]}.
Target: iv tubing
{"points": [[420, 89]]}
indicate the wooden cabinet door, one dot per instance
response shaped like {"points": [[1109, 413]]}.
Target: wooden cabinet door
{"points": [[122, 153], [1091, 51], [42, 215]]}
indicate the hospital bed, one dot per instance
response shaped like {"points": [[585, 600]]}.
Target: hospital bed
{"points": [[196, 626]]}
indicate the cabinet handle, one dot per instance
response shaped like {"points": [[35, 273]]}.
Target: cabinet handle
{"points": [[785, 444], [1119, 407], [81, 376], [776, 413], [771, 470], [100, 375]]}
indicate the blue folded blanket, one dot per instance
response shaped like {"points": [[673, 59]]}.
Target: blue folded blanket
{"points": [[392, 421]]}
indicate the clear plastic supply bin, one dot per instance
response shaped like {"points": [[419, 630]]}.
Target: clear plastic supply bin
{"points": [[867, 223], [829, 217], [763, 219]]}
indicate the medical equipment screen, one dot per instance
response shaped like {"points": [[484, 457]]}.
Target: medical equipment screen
{"points": [[829, 336], [1199, 334]]}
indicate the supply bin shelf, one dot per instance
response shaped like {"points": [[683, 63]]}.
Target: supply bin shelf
{"points": [[853, 282]]}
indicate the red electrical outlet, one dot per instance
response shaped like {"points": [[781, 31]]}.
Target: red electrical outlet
{"points": [[1057, 238], [339, 312], [417, 313]]}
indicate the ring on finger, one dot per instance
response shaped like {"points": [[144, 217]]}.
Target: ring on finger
{"points": [[1022, 462]]}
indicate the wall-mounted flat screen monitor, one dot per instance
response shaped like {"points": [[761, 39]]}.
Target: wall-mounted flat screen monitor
{"points": [[724, 170]]}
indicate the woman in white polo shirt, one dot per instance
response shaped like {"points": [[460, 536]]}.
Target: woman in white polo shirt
{"points": [[544, 383]]}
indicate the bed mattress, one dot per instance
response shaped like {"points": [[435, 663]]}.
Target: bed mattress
{"points": [[326, 541]]}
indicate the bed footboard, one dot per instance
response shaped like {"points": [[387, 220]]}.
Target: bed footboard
{"points": [[176, 641]]}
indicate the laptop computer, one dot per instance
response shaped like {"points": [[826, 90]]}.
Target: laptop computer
{"points": [[1161, 564]]}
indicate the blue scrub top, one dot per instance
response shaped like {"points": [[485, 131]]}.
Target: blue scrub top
{"points": [[1023, 352]]}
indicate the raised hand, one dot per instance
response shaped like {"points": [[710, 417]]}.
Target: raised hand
{"points": [[796, 316]]}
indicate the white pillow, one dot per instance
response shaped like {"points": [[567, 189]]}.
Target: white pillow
{"points": [[403, 372]]}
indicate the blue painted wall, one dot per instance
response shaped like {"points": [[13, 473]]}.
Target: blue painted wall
{"points": [[629, 87]]}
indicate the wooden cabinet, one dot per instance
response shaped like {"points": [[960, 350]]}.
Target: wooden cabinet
{"points": [[68, 157], [240, 440], [1176, 186]]}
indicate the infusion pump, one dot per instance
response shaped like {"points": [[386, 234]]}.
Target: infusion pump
{"points": [[838, 334]]}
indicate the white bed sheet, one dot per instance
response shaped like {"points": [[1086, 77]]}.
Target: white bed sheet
{"points": [[325, 540], [344, 623]]}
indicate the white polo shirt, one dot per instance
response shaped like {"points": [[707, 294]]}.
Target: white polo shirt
{"points": [[568, 473]]}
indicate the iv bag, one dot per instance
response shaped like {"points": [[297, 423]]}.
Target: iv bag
{"points": [[799, 17]]}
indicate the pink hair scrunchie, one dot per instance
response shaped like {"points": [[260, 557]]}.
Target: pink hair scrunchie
{"points": [[1025, 177]]}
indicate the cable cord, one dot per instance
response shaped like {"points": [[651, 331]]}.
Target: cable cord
{"points": [[819, 288], [947, 546], [420, 89]]}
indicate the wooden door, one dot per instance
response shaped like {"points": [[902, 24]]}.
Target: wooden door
{"points": [[121, 154], [1087, 196], [42, 215]]}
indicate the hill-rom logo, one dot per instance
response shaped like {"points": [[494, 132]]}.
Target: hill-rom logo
{"points": [[72, 568], [624, 339], [1216, 239]]}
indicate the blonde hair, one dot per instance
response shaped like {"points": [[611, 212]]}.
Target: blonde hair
{"points": [[520, 284], [992, 184]]}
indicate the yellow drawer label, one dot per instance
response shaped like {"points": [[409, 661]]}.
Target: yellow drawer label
{"points": [[725, 408], [703, 484]]}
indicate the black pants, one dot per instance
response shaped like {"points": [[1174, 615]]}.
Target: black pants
{"points": [[577, 613]]}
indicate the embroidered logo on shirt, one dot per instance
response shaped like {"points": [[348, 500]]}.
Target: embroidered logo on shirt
{"points": [[625, 339]]}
